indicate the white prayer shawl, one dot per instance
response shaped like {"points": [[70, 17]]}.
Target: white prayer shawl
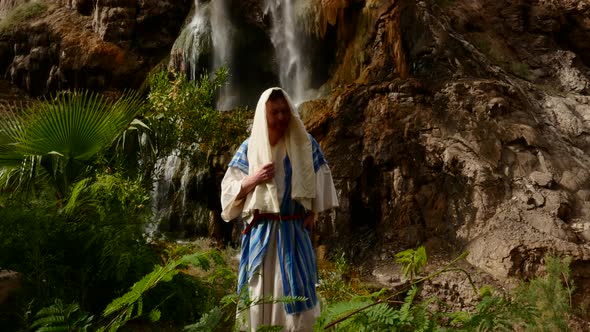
{"points": [[303, 184]]}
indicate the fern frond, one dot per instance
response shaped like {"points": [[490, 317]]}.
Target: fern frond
{"points": [[60, 317], [383, 314], [73, 202], [53, 329], [49, 320], [207, 323]]}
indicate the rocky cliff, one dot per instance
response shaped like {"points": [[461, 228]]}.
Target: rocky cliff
{"points": [[474, 137], [462, 125], [99, 45]]}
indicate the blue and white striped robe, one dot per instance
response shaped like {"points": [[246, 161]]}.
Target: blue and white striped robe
{"points": [[297, 262]]}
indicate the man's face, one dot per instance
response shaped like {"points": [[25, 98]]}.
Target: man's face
{"points": [[278, 115]]}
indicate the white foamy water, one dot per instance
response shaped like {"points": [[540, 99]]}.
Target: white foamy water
{"points": [[294, 64]]}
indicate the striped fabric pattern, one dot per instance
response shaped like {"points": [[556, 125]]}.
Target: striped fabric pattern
{"points": [[296, 256], [318, 155], [240, 159]]}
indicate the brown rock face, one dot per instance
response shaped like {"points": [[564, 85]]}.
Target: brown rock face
{"points": [[114, 21], [113, 49], [484, 149]]}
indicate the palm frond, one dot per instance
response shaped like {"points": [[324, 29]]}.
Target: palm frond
{"points": [[65, 133]]}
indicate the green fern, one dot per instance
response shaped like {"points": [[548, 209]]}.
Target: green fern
{"points": [[412, 261], [208, 322], [550, 294], [130, 305], [61, 318]]}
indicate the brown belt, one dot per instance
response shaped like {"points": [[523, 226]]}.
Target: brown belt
{"points": [[271, 216]]}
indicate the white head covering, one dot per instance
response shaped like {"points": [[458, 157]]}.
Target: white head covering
{"points": [[299, 150]]}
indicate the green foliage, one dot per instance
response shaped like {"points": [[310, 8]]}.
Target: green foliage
{"points": [[61, 318], [334, 283], [55, 140], [108, 196], [362, 314], [131, 304], [542, 304], [22, 12], [551, 295], [494, 313], [208, 322], [412, 261], [86, 255], [190, 106]]}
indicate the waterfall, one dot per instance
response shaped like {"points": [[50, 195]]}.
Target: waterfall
{"points": [[287, 39], [222, 34], [208, 41], [164, 172], [191, 50], [179, 197], [205, 44]]}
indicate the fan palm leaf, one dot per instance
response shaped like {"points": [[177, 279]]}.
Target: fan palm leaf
{"points": [[57, 138]]}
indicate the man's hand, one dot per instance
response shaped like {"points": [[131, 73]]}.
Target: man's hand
{"points": [[309, 221], [263, 174]]}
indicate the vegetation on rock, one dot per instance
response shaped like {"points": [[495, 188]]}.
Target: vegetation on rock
{"points": [[22, 12]]}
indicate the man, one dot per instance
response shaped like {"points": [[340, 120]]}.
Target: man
{"points": [[277, 181]]}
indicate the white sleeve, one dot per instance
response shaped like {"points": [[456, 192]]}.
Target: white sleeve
{"points": [[326, 196], [230, 188]]}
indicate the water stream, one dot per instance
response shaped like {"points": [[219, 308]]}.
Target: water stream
{"points": [[294, 65], [192, 49]]}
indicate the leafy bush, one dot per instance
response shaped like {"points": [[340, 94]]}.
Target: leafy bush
{"points": [[190, 106], [84, 257], [140, 304]]}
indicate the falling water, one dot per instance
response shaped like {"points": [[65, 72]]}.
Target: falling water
{"points": [[294, 65], [164, 172], [205, 44], [192, 48], [222, 34], [179, 198]]}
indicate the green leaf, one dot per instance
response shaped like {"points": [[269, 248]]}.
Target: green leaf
{"points": [[208, 322], [68, 130], [155, 315]]}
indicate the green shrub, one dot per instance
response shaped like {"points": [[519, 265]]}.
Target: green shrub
{"points": [[190, 107]]}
